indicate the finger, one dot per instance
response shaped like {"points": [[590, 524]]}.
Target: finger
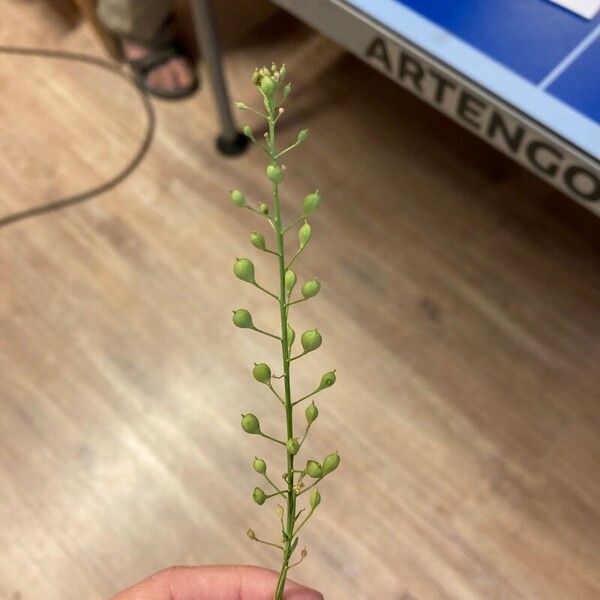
{"points": [[214, 583]]}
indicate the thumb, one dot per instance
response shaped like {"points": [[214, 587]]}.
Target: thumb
{"points": [[215, 583]]}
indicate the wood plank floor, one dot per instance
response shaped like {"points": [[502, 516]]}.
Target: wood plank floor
{"points": [[460, 306]]}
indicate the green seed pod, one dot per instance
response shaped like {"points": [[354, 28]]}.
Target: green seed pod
{"points": [[293, 445], [311, 288], [311, 340], [315, 499], [258, 240], [262, 373], [282, 73], [244, 270], [311, 412], [304, 234], [256, 77], [311, 202], [327, 380], [275, 173], [241, 105], [290, 280], [267, 86], [260, 466], [302, 135], [248, 132], [238, 198], [331, 463], [242, 318], [313, 469], [259, 496], [250, 424], [263, 208], [291, 336], [287, 90]]}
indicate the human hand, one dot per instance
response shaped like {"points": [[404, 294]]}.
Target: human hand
{"points": [[214, 583]]}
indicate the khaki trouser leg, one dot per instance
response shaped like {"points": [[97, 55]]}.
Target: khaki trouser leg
{"points": [[143, 21]]}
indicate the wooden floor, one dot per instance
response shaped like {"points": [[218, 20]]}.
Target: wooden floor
{"points": [[460, 306]]}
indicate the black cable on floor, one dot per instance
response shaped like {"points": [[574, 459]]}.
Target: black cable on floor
{"points": [[60, 203]]}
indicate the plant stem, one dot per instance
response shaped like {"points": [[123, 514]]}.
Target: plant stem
{"points": [[300, 218], [296, 302], [279, 493], [288, 149], [271, 438], [266, 333], [291, 494], [298, 356], [262, 289], [268, 543], [296, 256], [270, 252], [276, 394], [308, 516], [305, 397], [312, 485], [269, 480], [305, 433], [259, 213]]}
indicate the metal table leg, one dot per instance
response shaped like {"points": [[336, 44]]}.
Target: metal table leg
{"points": [[230, 142]]}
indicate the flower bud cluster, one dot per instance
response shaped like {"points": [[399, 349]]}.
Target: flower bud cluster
{"points": [[267, 79]]}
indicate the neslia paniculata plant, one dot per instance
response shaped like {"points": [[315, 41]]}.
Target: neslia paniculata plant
{"points": [[297, 492]]}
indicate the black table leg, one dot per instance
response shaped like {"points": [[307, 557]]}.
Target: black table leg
{"points": [[230, 141]]}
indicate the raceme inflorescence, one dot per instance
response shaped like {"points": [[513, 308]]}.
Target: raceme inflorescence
{"points": [[297, 480]]}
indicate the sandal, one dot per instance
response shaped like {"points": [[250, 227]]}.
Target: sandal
{"points": [[156, 57]]}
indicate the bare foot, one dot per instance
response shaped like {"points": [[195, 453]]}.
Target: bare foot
{"points": [[174, 75]]}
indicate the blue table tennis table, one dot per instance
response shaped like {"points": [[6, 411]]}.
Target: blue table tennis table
{"points": [[524, 75]]}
